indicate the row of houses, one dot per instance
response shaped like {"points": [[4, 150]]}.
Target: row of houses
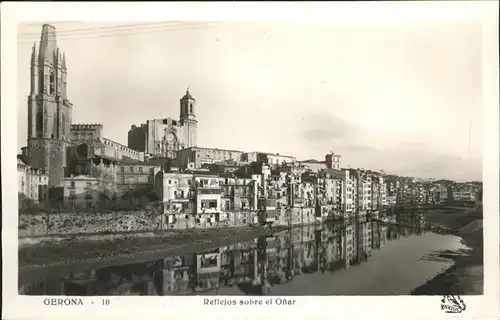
{"points": [[284, 194], [410, 191], [86, 188], [228, 193]]}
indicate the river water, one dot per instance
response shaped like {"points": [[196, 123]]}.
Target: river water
{"points": [[362, 258]]}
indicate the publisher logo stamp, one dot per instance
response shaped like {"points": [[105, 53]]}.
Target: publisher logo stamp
{"points": [[452, 304]]}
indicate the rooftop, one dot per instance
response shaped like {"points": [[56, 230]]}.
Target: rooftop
{"points": [[188, 96], [277, 154], [312, 161], [21, 161], [128, 161], [82, 177], [204, 148]]}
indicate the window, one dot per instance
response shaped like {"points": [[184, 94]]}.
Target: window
{"points": [[191, 108], [131, 169], [140, 169], [39, 122], [51, 83], [63, 125], [212, 204], [72, 184], [169, 181], [122, 169]]}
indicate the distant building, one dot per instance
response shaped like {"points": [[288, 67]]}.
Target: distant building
{"points": [[82, 191], [195, 157], [136, 175], [479, 200], [223, 167], [349, 191], [443, 191], [165, 137], [314, 165], [33, 183], [274, 158], [332, 161], [87, 159], [80, 133], [330, 193], [465, 192], [92, 135]]}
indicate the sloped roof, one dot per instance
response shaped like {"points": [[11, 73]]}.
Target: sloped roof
{"points": [[312, 161], [188, 96], [21, 161]]}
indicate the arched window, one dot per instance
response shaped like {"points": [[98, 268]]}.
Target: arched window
{"points": [[51, 82], [39, 122], [63, 125]]}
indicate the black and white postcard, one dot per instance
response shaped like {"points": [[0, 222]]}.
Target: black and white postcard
{"points": [[306, 159]]}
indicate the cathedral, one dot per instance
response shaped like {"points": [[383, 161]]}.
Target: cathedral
{"points": [[164, 137], [62, 149]]}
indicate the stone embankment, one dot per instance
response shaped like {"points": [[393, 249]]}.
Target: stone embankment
{"points": [[53, 224], [34, 228]]}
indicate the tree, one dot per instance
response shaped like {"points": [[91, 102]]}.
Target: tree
{"points": [[26, 204]]}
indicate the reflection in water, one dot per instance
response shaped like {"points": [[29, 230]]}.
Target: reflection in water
{"points": [[253, 266]]}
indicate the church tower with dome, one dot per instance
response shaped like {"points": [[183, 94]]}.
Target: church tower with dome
{"points": [[188, 119]]}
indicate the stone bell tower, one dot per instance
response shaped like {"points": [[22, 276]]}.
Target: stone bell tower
{"points": [[188, 119], [49, 110]]}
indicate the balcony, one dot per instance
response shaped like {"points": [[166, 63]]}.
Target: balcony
{"points": [[298, 200], [238, 195], [179, 197], [209, 191], [270, 203], [208, 210], [238, 208], [207, 186]]}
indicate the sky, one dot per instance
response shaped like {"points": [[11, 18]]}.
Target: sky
{"points": [[400, 96]]}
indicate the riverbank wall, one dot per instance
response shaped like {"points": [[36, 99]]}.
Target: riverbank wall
{"points": [[78, 223], [133, 223]]}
